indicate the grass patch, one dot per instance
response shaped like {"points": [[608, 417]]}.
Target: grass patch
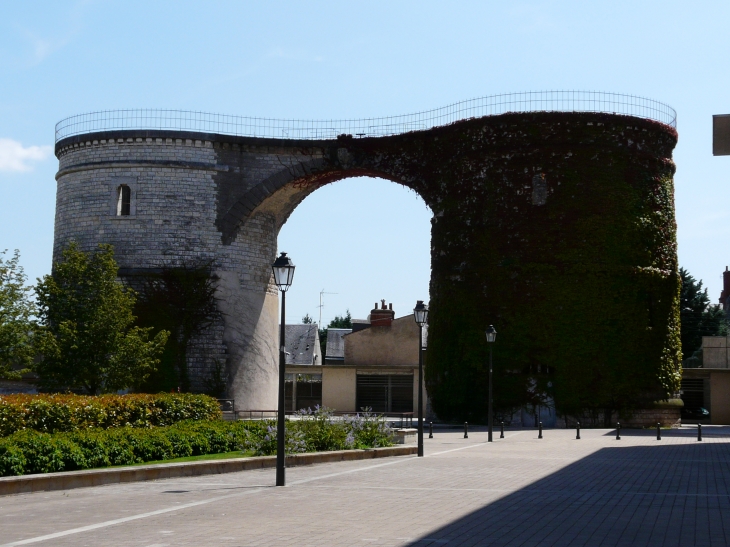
{"points": [[221, 456]]}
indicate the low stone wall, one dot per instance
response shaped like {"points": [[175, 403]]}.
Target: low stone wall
{"points": [[406, 436], [9, 387], [668, 415]]}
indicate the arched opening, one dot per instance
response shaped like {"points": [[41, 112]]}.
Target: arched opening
{"points": [[363, 238], [355, 242]]}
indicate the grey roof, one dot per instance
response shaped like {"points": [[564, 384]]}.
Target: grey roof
{"points": [[335, 343], [360, 324], [300, 343]]}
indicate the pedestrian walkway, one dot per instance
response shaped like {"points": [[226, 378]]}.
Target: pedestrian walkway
{"points": [[517, 491]]}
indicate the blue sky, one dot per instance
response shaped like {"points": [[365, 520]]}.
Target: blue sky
{"points": [[364, 239]]}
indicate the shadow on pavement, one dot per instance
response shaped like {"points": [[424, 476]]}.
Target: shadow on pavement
{"points": [[665, 495], [688, 432]]}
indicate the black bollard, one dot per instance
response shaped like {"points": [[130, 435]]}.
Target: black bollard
{"points": [[430, 430], [658, 431], [501, 431], [539, 431], [618, 431], [699, 432], [466, 430], [577, 431]]}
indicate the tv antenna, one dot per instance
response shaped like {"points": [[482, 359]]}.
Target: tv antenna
{"points": [[321, 305]]}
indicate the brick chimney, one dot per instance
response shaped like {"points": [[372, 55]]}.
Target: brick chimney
{"points": [[381, 317], [725, 290]]}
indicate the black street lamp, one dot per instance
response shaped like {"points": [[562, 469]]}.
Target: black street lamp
{"points": [[283, 276], [420, 314], [491, 337]]}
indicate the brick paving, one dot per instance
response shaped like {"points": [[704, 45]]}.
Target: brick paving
{"points": [[517, 491]]}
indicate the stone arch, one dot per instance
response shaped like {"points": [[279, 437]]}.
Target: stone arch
{"points": [[267, 209], [248, 203], [290, 185], [534, 213]]}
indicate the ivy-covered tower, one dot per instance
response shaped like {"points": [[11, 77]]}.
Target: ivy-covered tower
{"points": [[562, 234]]}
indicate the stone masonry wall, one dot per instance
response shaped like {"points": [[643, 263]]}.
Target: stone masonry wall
{"points": [[558, 228], [175, 205]]}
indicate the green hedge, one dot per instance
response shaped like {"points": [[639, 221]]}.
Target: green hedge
{"points": [[31, 451], [35, 452], [57, 413]]}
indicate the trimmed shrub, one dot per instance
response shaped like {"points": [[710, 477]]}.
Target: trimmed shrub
{"points": [[35, 452], [44, 453], [31, 451], [57, 413]]}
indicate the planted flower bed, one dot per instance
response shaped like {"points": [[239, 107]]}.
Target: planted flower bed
{"points": [[29, 451]]}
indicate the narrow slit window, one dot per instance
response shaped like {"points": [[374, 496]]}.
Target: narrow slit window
{"points": [[124, 200]]}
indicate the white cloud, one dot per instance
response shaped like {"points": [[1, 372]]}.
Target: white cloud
{"points": [[41, 47], [16, 157]]}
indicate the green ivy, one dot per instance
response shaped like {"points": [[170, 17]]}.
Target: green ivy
{"points": [[582, 288]]}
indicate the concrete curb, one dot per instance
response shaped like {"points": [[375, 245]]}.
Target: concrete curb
{"points": [[66, 480]]}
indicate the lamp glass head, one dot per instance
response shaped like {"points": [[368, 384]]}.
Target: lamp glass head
{"points": [[420, 313], [491, 334], [283, 269]]}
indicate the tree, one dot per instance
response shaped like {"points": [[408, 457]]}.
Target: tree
{"points": [[339, 322], [88, 340], [307, 319], [714, 321], [698, 317], [344, 322], [16, 319]]}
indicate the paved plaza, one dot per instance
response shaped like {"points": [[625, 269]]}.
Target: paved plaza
{"points": [[517, 491]]}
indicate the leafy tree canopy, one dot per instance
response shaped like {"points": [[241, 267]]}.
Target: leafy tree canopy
{"points": [[341, 322], [88, 340], [307, 319], [698, 317], [16, 319]]}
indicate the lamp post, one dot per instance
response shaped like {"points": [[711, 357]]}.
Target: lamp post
{"points": [[283, 269], [420, 314], [491, 337]]}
